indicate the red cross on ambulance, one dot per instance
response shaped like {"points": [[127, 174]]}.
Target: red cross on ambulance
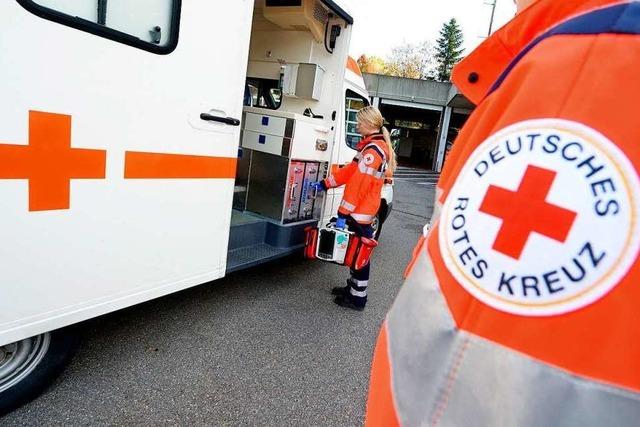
{"points": [[50, 164]]}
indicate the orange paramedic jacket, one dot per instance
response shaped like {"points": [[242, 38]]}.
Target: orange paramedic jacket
{"points": [[522, 302], [363, 179]]}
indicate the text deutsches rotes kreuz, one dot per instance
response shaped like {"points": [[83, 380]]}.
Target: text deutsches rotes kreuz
{"points": [[603, 190]]}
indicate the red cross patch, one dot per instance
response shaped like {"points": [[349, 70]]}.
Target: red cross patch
{"points": [[368, 159], [526, 211], [542, 219]]}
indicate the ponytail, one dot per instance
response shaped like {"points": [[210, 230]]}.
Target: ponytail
{"points": [[391, 164]]}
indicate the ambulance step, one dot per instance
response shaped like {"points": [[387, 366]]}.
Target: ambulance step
{"points": [[249, 234], [250, 256], [246, 230]]}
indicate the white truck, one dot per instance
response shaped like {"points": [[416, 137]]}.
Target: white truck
{"points": [[150, 146]]}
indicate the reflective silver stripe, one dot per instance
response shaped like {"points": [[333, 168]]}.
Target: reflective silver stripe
{"points": [[444, 376], [437, 206], [332, 181], [362, 217], [384, 167], [359, 283], [355, 293], [370, 171], [348, 206]]}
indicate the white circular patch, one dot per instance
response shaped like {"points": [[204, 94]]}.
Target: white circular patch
{"points": [[368, 159], [543, 219]]}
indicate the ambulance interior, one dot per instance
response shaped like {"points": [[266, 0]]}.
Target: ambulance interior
{"points": [[294, 83]]}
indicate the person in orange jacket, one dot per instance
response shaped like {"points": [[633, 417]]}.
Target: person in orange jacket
{"points": [[521, 303], [363, 179]]}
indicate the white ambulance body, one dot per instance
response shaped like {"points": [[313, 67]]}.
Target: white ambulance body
{"points": [[150, 146]]}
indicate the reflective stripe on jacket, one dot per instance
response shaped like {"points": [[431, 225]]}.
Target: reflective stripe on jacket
{"points": [[521, 303], [363, 179]]}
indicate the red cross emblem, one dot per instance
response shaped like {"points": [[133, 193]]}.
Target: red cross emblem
{"points": [[526, 211], [49, 162]]}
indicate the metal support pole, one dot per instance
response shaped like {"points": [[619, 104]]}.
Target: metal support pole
{"points": [[443, 135], [102, 12], [493, 15]]}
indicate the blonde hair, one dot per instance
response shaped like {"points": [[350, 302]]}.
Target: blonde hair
{"points": [[372, 117]]}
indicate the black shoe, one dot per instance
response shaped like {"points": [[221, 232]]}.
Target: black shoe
{"points": [[341, 290], [346, 302]]}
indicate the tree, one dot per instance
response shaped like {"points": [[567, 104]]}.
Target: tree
{"points": [[372, 64], [449, 49], [413, 61]]}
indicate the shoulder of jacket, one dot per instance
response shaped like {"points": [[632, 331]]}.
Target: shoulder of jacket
{"points": [[377, 142], [374, 149], [617, 18]]}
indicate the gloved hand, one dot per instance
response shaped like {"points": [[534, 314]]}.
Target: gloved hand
{"points": [[318, 186]]}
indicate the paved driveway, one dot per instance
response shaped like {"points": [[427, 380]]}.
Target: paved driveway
{"points": [[260, 347]]}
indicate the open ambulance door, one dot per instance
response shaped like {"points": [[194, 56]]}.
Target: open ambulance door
{"points": [[119, 137]]}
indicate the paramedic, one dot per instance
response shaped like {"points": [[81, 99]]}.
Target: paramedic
{"points": [[363, 179], [521, 303]]}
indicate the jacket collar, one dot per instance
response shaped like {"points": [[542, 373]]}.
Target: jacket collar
{"points": [[475, 75], [369, 139]]}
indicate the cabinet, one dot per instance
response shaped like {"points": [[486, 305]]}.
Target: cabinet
{"points": [[281, 158]]}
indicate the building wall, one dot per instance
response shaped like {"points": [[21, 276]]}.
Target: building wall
{"points": [[439, 108], [401, 89]]}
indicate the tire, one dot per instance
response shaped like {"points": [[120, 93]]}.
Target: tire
{"points": [[29, 366]]}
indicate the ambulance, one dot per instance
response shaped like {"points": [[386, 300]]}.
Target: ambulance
{"points": [[151, 146]]}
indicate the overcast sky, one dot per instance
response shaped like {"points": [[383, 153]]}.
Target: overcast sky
{"points": [[382, 24]]}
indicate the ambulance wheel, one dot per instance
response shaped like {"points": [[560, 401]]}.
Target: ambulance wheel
{"points": [[29, 366]]}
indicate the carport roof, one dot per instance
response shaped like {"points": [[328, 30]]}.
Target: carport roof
{"points": [[458, 100], [414, 91]]}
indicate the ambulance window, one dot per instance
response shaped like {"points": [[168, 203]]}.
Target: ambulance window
{"points": [[151, 25], [354, 103]]}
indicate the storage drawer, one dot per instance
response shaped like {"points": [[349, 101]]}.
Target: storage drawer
{"points": [[266, 143], [270, 125], [309, 196], [268, 185], [312, 142], [294, 191]]}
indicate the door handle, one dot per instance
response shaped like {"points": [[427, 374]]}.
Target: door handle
{"points": [[226, 120]]}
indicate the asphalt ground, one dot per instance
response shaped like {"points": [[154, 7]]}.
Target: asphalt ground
{"points": [[260, 347]]}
